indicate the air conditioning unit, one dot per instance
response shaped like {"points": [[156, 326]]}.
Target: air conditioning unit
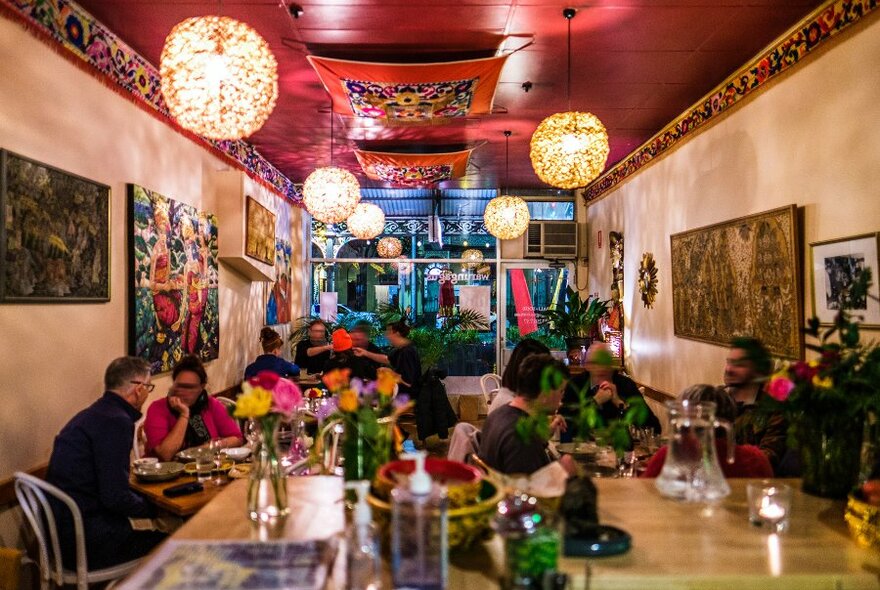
{"points": [[552, 239]]}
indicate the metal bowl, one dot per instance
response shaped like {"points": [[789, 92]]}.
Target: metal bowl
{"points": [[161, 472]]}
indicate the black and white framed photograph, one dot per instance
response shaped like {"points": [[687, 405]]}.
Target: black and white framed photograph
{"points": [[836, 266]]}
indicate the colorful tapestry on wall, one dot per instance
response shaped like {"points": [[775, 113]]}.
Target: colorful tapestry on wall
{"points": [[411, 170], [740, 278], [174, 308], [410, 92], [54, 234], [278, 303]]}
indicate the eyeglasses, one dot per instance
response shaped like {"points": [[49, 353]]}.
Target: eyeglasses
{"points": [[148, 386]]}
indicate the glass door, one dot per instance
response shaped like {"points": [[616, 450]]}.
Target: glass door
{"points": [[525, 290]]}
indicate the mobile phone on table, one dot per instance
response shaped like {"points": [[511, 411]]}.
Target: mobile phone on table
{"points": [[183, 489]]}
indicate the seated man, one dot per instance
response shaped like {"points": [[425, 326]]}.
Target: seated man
{"points": [[370, 355], [501, 447], [609, 388], [748, 366], [90, 462]]}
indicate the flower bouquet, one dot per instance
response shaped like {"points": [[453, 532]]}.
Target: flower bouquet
{"points": [[829, 399], [368, 410], [267, 399]]}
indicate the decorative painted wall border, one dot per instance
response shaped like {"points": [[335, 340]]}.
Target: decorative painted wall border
{"points": [[823, 24], [77, 35]]}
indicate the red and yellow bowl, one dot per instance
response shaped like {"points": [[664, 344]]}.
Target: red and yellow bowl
{"points": [[462, 481]]}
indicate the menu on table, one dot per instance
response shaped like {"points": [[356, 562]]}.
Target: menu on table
{"points": [[218, 565]]}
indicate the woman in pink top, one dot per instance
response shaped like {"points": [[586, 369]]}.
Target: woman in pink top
{"points": [[188, 417]]}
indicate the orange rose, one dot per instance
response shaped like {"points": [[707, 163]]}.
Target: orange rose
{"points": [[336, 379]]}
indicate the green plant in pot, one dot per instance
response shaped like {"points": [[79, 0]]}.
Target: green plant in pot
{"points": [[577, 320]]}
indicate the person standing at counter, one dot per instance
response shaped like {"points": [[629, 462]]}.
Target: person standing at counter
{"points": [[271, 360], [90, 462], [188, 417], [314, 352]]}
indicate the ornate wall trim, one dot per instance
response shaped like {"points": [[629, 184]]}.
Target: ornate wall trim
{"points": [[822, 25], [76, 35]]}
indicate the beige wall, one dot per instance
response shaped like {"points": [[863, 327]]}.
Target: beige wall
{"points": [[812, 138], [52, 357]]}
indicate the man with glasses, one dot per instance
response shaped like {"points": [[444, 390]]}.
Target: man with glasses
{"points": [[313, 352], [90, 462]]}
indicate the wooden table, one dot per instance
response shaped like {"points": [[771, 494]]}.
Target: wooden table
{"points": [[181, 505], [675, 545]]}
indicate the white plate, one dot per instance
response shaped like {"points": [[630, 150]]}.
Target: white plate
{"points": [[237, 453]]}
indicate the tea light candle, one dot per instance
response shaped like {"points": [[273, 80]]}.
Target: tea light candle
{"points": [[771, 511]]}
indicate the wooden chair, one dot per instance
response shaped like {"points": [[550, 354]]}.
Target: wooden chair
{"points": [[31, 493]]}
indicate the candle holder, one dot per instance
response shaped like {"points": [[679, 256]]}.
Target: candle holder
{"points": [[769, 505]]}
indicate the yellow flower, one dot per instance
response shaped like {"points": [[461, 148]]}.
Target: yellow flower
{"points": [[253, 403], [348, 400], [386, 379], [822, 382], [813, 364]]}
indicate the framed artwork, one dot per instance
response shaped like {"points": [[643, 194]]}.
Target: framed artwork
{"points": [[260, 233], [836, 265], [740, 278], [278, 303], [54, 234], [173, 296]]}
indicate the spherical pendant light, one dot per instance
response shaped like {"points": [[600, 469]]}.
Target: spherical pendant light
{"points": [[569, 150], [331, 194], [367, 221], [472, 258], [218, 77], [506, 217], [389, 247]]}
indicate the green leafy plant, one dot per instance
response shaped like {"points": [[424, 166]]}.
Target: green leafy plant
{"points": [[577, 318]]}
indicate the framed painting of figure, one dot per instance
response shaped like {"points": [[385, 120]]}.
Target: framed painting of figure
{"points": [[740, 277], [260, 233], [836, 265], [54, 234], [174, 309], [279, 298]]}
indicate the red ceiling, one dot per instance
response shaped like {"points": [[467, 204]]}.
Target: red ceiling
{"points": [[636, 64]]}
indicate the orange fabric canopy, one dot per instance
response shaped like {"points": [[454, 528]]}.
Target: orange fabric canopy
{"points": [[413, 169]]}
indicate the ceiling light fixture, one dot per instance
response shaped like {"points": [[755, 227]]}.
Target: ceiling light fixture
{"points": [[331, 194], [569, 150], [218, 77], [506, 217], [472, 258], [367, 221], [389, 247]]}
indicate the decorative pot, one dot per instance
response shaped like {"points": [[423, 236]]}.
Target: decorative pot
{"points": [[267, 485], [830, 457]]}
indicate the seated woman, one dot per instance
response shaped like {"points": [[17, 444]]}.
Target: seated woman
{"points": [[188, 417], [271, 360], [749, 461], [501, 447], [526, 347]]}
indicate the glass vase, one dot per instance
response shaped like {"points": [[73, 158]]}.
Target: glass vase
{"points": [[830, 457], [267, 485], [366, 446]]}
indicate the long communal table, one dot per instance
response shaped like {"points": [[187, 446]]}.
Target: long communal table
{"points": [[675, 545]]}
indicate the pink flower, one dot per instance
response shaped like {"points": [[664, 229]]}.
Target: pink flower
{"points": [[265, 379], [286, 397], [780, 388]]}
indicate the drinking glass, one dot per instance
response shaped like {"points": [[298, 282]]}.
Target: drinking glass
{"points": [[216, 446], [252, 432], [204, 463]]}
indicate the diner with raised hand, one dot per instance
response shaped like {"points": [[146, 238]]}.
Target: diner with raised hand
{"points": [[314, 350], [271, 359], [188, 417]]}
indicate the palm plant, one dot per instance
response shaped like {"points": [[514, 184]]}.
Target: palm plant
{"points": [[577, 319]]}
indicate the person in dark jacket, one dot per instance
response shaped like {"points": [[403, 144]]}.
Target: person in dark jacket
{"points": [[345, 358], [271, 360], [90, 462], [313, 352]]}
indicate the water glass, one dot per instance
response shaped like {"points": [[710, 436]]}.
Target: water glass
{"points": [[769, 505], [217, 447], [204, 465]]}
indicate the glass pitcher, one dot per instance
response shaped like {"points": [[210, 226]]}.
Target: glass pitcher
{"points": [[691, 471]]}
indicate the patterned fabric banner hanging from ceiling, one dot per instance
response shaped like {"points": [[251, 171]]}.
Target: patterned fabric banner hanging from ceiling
{"points": [[410, 92], [413, 169]]}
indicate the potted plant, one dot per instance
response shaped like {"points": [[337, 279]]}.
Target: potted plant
{"points": [[577, 320]]}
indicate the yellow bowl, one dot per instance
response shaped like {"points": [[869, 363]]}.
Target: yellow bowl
{"points": [[467, 525], [863, 520]]}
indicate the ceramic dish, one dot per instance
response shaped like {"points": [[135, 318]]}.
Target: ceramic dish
{"points": [[240, 471], [159, 471], [237, 453], [190, 468], [462, 481], [193, 453]]}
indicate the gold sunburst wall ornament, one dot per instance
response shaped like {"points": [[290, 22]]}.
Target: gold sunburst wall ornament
{"points": [[648, 280]]}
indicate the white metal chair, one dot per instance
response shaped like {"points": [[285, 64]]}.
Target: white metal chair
{"points": [[490, 383], [139, 444], [31, 493]]}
